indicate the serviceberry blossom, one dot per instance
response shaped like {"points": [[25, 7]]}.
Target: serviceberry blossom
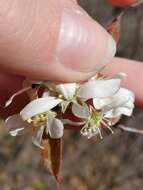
{"points": [[37, 114], [43, 114], [103, 111]]}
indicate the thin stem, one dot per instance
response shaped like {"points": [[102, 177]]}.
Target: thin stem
{"points": [[129, 129]]}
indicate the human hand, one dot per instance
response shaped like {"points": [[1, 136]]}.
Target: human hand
{"points": [[54, 40]]}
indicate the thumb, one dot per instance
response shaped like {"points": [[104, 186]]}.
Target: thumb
{"points": [[51, 40]]}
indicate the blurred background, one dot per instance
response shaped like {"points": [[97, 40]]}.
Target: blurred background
{"points": [[116, 163]]}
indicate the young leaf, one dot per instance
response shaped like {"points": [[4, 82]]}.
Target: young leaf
{"points": [[114, 27], [52, 155]]}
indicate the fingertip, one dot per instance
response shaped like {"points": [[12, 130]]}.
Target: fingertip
{"points": [[84, 45]]}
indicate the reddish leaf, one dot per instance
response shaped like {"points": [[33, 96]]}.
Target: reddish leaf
{"points": [[114, 27], [52, 155]]}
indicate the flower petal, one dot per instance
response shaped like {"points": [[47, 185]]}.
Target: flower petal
{"points": [[102, 88], [45, 94], [99, 103], [120, 98], [15, 124], [38, 137], [120, 103], [80, 111], [55, 127], [15, 132], [118, 112], [68, 90], [50, 85], [39, 106]]}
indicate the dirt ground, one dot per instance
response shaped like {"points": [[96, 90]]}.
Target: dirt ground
{"points": [[114, 163]]}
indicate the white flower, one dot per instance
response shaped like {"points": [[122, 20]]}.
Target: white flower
{"points": [[104, 110], [37, 106], [54, 128], [92, 120], [72, 92], [109, 101], [122, 103], [101, 88], [66, 92], [39, 115]]}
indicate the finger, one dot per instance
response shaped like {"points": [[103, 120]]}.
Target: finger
{"points": [[134, 71], [52, 40]]}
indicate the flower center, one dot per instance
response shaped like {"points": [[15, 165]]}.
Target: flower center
{"points": [[93, 126], [38, 119], [95, 118], [60, 96]]}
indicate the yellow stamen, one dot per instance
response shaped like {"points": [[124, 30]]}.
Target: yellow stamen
{"points": [[37, 119], [60, 96]]}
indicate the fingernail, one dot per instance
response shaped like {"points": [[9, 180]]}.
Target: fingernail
{"points": [[110, 50], [83, 44]]}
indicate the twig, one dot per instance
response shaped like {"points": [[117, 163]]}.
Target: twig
{"points": [[129, 129]]}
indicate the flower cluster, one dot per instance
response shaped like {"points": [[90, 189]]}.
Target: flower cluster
{"points": [[97, 103]]}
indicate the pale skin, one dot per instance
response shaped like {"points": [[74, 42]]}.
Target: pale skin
{"points": [[33, 45]]}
